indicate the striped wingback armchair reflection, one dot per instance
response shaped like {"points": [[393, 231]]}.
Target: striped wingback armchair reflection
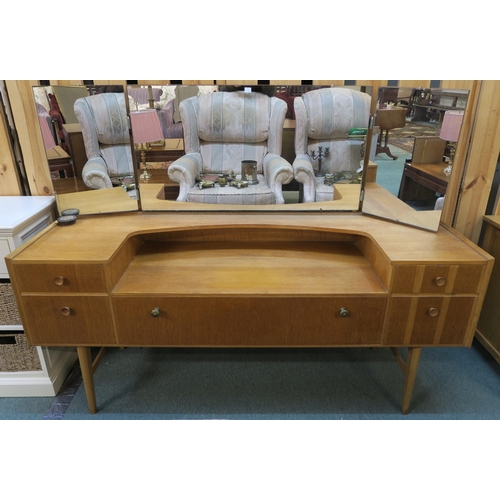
{"points": [[103, 119], [220, 130], [324, 118]]}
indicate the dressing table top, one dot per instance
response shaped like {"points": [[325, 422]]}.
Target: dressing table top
{"points": [[97, 238]]}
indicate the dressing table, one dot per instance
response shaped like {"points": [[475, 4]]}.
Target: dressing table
{"points": [[170, 274], [295, 280]]}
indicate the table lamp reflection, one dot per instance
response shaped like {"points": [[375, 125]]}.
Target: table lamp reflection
{"points": [[450, 130], [145, 130]]}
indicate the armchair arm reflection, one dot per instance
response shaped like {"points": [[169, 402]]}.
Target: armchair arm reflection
{"points": [[95, 174], [277, 171], [304, 174], [184, 171]]}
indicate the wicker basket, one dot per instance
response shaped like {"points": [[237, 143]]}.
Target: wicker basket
{"points": [[15, 353], [9, 314], [17, 356]]}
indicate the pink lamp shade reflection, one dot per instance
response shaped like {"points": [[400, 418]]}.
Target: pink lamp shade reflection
{"points": [[145, 126], [450, 128], [48, 138]]}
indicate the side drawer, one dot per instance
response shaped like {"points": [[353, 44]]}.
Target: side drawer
{"points": [[68, 320], [437, 279], [61, 278], [428, 320], [249, 321]]}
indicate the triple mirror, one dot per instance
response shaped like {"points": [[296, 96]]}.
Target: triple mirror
{"points": [[383, 149]]}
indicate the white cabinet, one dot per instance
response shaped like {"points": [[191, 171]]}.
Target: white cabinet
{"points": [[21, 217]]}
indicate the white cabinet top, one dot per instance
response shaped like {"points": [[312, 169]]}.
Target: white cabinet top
{"points": [[14, 210]]}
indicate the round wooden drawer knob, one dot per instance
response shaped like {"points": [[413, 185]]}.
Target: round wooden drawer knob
{"points": [[440, 281], [344, 312], [155, 312], [65, 311], [59, 280], [433, 311]]}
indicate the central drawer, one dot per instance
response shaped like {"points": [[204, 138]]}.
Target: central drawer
{"points": [[249, 321]]}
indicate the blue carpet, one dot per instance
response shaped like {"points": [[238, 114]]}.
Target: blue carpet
{"points": [[320, 384], [389, 171], [24, 408]]}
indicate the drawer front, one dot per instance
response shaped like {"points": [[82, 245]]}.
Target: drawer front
{"points": [[438, 279], [61, 278], [250, 321], [68, 320], [429, 320]]}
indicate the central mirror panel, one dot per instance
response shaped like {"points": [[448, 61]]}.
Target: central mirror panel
{"points": [[252, 148]]}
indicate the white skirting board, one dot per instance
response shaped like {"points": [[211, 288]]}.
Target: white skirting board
{"points": [[56, 364]]}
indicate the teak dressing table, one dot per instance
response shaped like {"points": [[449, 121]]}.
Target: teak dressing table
{"points": [[295, 280]]}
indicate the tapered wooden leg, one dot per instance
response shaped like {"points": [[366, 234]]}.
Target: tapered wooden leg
{"points": [[85, 358], [410, 373]]}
